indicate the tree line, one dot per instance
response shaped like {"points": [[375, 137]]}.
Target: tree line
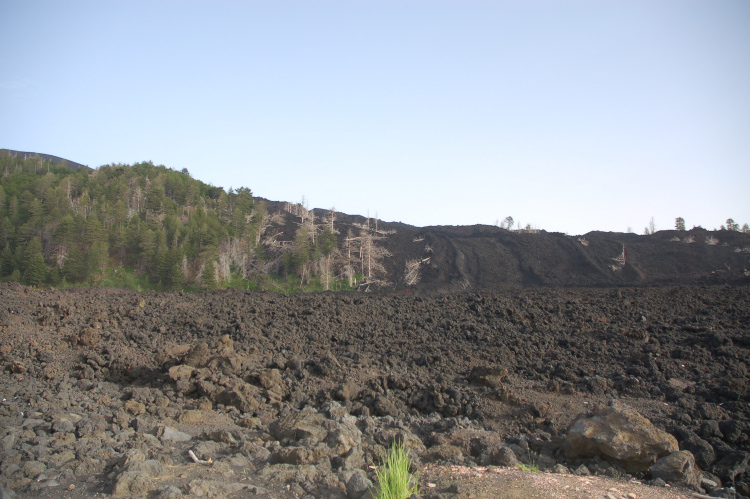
{"points": [[149, 225]]}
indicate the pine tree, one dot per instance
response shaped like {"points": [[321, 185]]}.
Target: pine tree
{"points": [[208, 276], [7, 266], [36, 271]]}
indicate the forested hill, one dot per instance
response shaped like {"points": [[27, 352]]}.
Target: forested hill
{"points": [[147, 226], [144, 226]]}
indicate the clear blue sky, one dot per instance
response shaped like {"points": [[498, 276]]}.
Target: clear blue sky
{"points": [[568, 115]]}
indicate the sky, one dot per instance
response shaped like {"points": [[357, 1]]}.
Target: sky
{"points": [[570, 116]]}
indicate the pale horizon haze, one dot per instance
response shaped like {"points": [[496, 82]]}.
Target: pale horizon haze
{"points": [[571, 116]]}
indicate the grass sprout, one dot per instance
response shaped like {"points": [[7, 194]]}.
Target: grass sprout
{"points": [[532, 466], [528, 467], [394, 479]]}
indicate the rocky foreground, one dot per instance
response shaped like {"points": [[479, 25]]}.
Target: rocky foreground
{"points": [[232, 394]]}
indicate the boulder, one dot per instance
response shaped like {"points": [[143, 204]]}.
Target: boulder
{"points": [[198, 355], [582, 470], [704, 453], [342, 437], [168, 492], [131, 483], [444, 452], [620, 434], [384, 406], [724, 493], [213, 488], [731, 465], [191, 416], [560, 468], [138, 479], [732, 431], [353, 459], [491, 376], [236, 397], [358, 485], [387, 437], [678, 467], [498, 455], [33, 469], [299, 426], [167, 433], [300, 455], [135, 408]]}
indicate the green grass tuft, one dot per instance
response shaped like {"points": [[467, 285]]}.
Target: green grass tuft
{"points": [[394, 479], [532, 466]]}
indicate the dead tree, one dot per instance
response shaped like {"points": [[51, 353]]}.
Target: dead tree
{"points": [[411, 273], [619, 261]]}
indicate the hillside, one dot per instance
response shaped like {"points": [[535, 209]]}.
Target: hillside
{"points": [[149, 227], [56, 160]]}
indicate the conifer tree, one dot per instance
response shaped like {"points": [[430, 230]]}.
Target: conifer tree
{"points": [[36, 271], [208, 276], [6, 262]]}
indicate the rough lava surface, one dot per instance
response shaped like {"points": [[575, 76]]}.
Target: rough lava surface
{"points": [[107, 392]]}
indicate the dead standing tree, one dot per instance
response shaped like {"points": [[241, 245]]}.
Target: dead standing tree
{"points": [[619, 261], [329, 250], [348, 270], [371, 255], [262, 220]]}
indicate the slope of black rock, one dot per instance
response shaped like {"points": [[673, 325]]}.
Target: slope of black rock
{"points": [[488, 257], [439, 370]]}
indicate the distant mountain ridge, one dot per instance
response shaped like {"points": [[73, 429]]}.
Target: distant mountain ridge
{"points": [[45, 157]]}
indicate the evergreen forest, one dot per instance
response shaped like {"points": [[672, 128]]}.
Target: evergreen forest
{"points": [[144, 226]]}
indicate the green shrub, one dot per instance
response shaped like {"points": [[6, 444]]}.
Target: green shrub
{"points": [[394, 478]]}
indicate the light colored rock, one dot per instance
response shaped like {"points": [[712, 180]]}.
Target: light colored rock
{"points": [[582, 470], [211, 488], [169, 492], [60, 458], [207, 450], [562, 469], [33, 469], [151, 468], [133, 456], [298, 426], [678, 467], [301, 455], [343, 437], [181, 372], [284, 473], [239, 398], [191, 416], [132, 483], [63, 426], [134, 408], [167, 433], [620, 434]]}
